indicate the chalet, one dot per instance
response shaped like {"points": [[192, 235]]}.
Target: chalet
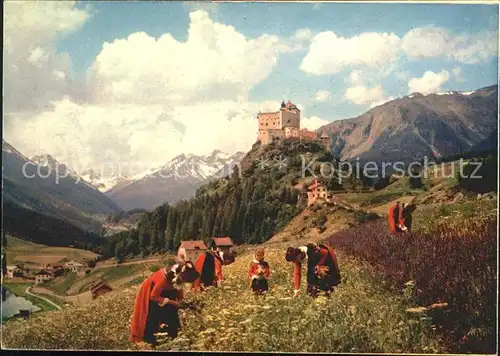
{"points": [[55, 270], [43, 276], [224, 244], [14, 271], [99, 288], [317, 192], [191, 250], [74, 266]]}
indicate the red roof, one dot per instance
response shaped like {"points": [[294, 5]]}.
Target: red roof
{"points": [[315, 184], [222, 241], [194, 245]]}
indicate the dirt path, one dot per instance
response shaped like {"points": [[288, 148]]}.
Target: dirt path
{"points": [[42, 298], [99, 266]]}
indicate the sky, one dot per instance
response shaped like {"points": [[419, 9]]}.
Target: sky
{"points": [[136, 83]]}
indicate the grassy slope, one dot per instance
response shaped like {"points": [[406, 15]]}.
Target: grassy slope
{"points": [[362, 316], [21, 251]]}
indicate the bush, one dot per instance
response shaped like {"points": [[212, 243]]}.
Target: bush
{"points": [[363, 216], [454, 263]]}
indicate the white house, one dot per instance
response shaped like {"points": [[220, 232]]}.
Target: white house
{"points": [[74, 266], [43, 276], [14, 271]]}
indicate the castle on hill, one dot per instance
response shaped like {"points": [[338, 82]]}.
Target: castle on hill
{"points": [[284, 125]]}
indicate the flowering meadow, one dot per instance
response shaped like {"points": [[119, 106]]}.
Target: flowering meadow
{"points": [[362, 315], [450, 259]]}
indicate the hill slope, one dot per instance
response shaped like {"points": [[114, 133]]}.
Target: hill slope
{"points": [[35, 185], [362, 316], [418, 125]]}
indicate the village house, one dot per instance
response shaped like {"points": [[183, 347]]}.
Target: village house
{"points": [[224, 244], [55, 270], [43, 276], [99, 288], [190, 250], [14, 272], [74, 266], [316, 192]]}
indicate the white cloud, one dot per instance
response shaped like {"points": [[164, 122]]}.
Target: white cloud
{"points": [[471, 49], [355, 77], [215, 62], [330, 53], [430, 82], [380, 102], [322, 95], [361, 92], [362, 95], [30, 58], [299, 41], [312, 123], [426, 42], [151, 99], [431, 41], [143, 136]]}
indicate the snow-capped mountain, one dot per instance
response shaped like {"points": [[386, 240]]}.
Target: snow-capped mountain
{"points": [[199, 167], [177, 179], [44, 185]]}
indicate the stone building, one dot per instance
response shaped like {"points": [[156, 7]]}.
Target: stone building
{"points": [[190, 250], [43, 276], [317, 192], [279, 125], [284, 124]]}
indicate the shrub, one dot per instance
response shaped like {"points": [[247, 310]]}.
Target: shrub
{"points": [[453, 263]]}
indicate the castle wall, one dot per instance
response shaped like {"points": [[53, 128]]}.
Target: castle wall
{"points": [[269, 120], [306, 134], [268, 136], [290, 119], [291, 132]]}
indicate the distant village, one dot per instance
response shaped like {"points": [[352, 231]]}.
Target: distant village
{"points": [[46, 272]]}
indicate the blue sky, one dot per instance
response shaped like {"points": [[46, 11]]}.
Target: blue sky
{"points": [[113, 20], [144, 81]]}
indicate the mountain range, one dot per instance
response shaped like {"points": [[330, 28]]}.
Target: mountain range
{"points": [[418, 125], [178, 179], [48, 187], [404, 129]]}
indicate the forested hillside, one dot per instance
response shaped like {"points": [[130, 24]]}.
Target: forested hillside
{"points": [[251, 205]]}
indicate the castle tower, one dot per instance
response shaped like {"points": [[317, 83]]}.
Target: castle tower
{"points": [[290, 118], [326, 140], [278, 125]]}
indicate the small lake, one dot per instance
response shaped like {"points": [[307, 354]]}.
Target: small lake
{"points": [[13, 304]]}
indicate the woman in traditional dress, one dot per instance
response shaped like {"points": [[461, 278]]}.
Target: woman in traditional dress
{"points": [[209, 267], [323, 272], [158, 302]]}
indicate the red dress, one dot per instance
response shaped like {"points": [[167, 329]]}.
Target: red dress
{"points": [[209, 266], [393, 218], [152, 291], [325, 257], [259, 282]]}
